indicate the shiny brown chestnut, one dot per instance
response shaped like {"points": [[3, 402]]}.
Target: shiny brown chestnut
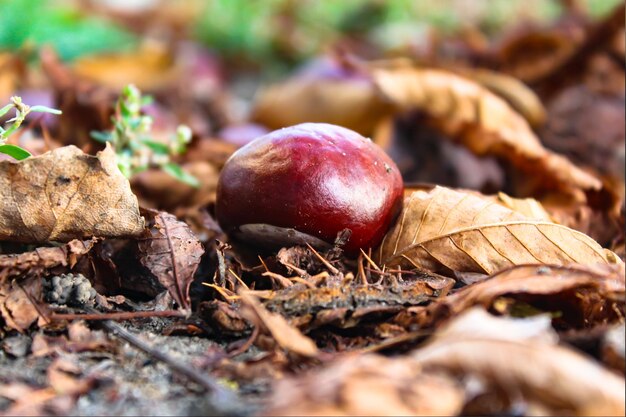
{"points": [[305, 184]]}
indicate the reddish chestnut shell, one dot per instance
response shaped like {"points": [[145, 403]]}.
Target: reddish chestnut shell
{"points": [[316, 178]]}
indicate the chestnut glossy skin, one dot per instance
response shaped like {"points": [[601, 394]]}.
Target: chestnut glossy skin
{"points": [[316, 178]]}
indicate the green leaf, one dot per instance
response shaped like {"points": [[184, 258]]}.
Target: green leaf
{"points": [[44, 109], [14, 151], [5, 109], [157, 147], [102, 137], [180, 174]]}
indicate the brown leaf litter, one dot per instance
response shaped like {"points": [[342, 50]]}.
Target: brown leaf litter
{"points": [[66, 194]]}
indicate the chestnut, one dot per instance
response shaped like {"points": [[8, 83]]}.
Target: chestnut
{"points": [[305, 184]]}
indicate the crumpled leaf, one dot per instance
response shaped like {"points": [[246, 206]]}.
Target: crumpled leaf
{"points": [[16, 307], [551, 379], [286, 336], [446, 230], [367, 385], [480, 120], [41, 260], [65, 194], [595, 292], [172, 252]]}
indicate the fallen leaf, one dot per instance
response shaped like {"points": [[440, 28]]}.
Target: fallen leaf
{"points": [[16, 303], [151, 67], [557, 379], [171, 251], [480, 120], [446, 230], [583, 296], [65, 194], [352, 103], [516, 93], [287, 336], [41, 260], [366, 385]]}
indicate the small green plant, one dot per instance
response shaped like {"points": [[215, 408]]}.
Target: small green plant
{"points": [[21, 111], [136, 149]]}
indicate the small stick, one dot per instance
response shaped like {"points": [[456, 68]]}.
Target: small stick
{"points": [[278, 278], [222, 396], [238, 279], [331, 268], [299, 271], [361, 271], [122, 315], [369, 260]]}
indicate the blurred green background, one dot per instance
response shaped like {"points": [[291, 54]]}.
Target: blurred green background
{"points": [[282, 31]]}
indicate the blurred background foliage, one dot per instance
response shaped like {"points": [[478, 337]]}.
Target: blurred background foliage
{"points": [[269, 34]]}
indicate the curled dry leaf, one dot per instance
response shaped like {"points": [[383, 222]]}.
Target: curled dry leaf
{"points": [[367, 385], [551, 378], [585, 296], [16, 303], [171, 251], [287, 336], [515, 92], [66, 194], [41, 260], [480, 120], [446, 230]]}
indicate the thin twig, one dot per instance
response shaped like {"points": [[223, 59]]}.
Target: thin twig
{"points": [[222, 397], [122, 315], [323, 260]]}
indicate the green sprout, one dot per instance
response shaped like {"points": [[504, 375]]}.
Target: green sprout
{"points": [[21, 111], [136, 150]]}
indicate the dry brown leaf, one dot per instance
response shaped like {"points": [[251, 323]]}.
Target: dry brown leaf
{"points": [[172, 252], [480, 120], [16, 304], [151, 68], [446, 230], [287, 336], [596, 291], [41, 260], [528, 207], [367, 385], [552, 378], [346, 102], [65, 194], [516, 93]]}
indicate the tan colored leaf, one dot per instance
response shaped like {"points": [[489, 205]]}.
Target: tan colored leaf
{"points": [[551, 379], [528, 207], [480, 120], [65, 194], [446, 230], [517, 94], [346, 102], [367, 385], [287, 336], [172, 252]]}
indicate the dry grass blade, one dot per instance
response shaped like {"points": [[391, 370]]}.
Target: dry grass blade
{"points": [[64, 195], [446, 230], [480, 120], [172, 253]]}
